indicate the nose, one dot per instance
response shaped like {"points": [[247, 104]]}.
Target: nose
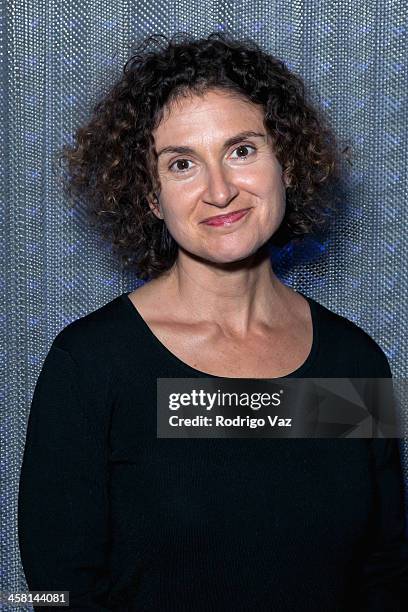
{"points": [[220, 190]]}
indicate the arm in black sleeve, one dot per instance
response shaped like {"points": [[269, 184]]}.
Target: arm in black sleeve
{"points": [[63, 490], [384, 585], [385, 570]]}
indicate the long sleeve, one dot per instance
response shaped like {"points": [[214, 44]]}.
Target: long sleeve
{"points": [[385, 570], [63, 511], [384, 586]]}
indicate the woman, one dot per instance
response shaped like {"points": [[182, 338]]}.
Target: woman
{"points": [[201, 156]]}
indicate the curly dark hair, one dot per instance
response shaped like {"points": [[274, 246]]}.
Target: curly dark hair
{"points": [[111, 166]]}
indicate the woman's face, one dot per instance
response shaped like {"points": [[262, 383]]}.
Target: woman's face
{"points": [[203, 175]]}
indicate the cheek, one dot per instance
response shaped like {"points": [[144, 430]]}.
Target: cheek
{"points": [[177, 196], [264, 180], [178, 217], [270, 201]]}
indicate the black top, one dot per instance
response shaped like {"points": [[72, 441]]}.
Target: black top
{"points": [[128, 521]]}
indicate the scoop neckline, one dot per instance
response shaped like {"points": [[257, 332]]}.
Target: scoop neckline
{"points": [[309, 361]]}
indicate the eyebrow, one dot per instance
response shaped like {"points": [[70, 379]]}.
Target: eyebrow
{"points": [[228, 143]]}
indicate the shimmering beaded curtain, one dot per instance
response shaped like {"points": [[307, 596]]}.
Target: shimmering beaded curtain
{"points": [[57, 57]]}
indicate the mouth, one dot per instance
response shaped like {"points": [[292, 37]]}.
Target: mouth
{"points": [[226, 219]]}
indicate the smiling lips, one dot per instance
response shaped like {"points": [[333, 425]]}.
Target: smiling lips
{"points": [[226, 219]]}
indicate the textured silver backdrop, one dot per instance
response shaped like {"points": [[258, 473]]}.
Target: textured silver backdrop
{"points": [[57, 57]]}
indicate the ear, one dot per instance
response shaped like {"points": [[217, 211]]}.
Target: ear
{"points": [[154, 205], [286, 181]]}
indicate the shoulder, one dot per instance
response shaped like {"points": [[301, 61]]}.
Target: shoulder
{"points": [[349, 345], [93, 336]]}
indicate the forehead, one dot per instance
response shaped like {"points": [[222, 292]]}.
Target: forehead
{"points": [[214, 114]]}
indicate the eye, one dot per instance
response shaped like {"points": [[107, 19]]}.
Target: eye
{"points": [[179, 170], [244, 148]]}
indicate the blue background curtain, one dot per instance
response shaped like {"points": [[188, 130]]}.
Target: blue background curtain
{"points": [[56, 59]]}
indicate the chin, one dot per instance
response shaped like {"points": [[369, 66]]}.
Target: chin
{"points": [[232, 255]]}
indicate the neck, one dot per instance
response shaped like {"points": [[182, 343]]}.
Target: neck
{"points": [[237, 296]]}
